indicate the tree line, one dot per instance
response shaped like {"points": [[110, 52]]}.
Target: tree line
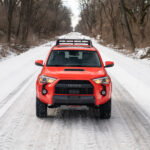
{"points": [[24, 21], [123, 23]]}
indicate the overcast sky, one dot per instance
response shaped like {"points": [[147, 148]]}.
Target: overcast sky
{"points": [[75, 8]]}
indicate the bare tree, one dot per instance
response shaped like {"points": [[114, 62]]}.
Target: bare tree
{"points": [[127, 22], [11, 4], [27, 20], [110, 15], [127, 25], [138, 12]]}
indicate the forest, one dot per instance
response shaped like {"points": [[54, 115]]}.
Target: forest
{"points": [[121, 23], [26, 22]]}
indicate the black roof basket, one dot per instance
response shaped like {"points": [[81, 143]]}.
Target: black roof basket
{"points": [[74, 41]]}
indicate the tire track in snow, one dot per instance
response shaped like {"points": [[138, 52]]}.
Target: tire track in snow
{"points": [[84, 135], [10, 99], [5, 100], [7, 137], [12, 124], [54, 134], [134, 118]]}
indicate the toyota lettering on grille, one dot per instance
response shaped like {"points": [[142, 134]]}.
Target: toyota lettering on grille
{"points": [[74, 85]]}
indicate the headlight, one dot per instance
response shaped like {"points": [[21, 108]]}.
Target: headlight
{"points": [[45, 79], [104, 80]]}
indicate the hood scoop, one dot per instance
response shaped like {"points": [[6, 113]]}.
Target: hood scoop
{"points": [[74, 70]]}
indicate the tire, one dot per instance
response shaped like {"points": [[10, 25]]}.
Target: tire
{"points": [[41, 109], [105, 110]]}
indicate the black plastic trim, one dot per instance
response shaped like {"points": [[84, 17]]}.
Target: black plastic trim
{"points": [[43, 88], [74, 41], [74, 70], [73, 100], [109, 66], [39, 64]]}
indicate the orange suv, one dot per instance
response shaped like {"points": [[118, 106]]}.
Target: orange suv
{"points": [[74, 74]]}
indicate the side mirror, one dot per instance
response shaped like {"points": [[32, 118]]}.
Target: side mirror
{"points": [[109, 64], [39, 62]]}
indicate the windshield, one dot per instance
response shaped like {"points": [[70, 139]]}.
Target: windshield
{"points": [[74, 58]]}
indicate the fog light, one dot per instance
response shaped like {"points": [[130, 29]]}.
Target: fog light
{"points": [[44, 91], [103, 92]]}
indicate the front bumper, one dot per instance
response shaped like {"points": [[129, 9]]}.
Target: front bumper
{"points": [[73, 100]]}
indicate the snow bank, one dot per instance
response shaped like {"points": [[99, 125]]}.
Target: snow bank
{"points": [[141, 53], [16, 69]]}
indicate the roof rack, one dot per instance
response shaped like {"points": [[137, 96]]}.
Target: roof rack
{"points": [[74, 41]]}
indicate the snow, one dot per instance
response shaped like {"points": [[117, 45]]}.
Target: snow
{"points": [[16, 69], [13, 98], [139, 53], [8, 54]]}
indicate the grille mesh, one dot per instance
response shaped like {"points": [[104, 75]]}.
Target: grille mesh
{"points": [[74, 87]]}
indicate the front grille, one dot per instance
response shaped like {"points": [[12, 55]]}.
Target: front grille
{"points": [[74, 87]]}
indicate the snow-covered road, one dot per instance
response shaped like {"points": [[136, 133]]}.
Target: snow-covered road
{"points": [[69, 128]]}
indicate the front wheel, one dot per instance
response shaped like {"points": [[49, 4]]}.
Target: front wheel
{"points": [[41, 109], [105, 110]]}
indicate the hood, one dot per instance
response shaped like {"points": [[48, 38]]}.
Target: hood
{"points": [[82, 73]]}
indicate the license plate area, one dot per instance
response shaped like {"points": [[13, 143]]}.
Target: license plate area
{"points": [[74, 91]]}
